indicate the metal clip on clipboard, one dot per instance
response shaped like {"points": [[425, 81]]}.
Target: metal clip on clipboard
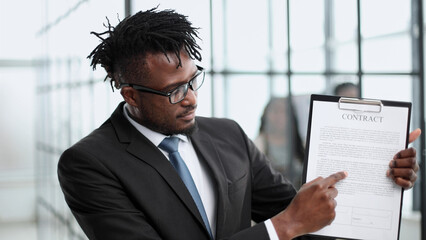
{"points": [[362, 105]]}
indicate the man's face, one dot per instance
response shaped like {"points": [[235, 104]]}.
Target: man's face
{"points": [[155, 111], [349, 92]]}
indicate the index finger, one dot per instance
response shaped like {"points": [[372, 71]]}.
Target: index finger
{"points": [[335, 177]]}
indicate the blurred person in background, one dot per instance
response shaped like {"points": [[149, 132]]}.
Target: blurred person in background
{"points": [[280, 140], [347, 89]]}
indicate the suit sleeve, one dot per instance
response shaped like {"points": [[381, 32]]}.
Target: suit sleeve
{"points": [[271, 191], [271, 194], [97, 200]]}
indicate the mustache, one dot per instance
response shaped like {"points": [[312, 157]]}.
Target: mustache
{"points": [[187, 110]]}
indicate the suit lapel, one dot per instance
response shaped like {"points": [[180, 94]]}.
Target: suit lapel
{"points": [[207, 150], [149, 153], [142, 148]]}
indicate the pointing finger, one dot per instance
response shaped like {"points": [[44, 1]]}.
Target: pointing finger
{"points": [[334, 178]]}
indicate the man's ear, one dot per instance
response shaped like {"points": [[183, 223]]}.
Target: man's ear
{"points": [[130, 95]]}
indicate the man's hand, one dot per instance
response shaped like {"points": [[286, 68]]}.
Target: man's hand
{"points": [[311, 209], [404, 166]]}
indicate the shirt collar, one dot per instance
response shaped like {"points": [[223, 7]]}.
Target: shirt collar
{"points": [[155, 137]]}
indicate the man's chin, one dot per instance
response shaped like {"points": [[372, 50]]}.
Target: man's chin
{"points": [[189, 129]]}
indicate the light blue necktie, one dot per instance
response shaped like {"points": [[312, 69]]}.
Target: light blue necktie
{"points": [[170, 145]]}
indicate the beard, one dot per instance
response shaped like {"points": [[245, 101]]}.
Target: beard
{"points": [[166, 129], [161, 125]]}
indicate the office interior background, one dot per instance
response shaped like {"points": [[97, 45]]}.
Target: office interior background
{"points": [[253, 51]]}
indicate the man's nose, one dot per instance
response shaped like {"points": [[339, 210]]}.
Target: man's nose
{"points": [[190, 98]]}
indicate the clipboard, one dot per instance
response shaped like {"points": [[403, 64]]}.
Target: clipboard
{"points": [[359, 136]]}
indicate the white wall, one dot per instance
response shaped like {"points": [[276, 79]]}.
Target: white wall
{"points": [[19, 44], [17, 104]]}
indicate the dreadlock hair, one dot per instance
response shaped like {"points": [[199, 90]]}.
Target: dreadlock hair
{"points": [[145, 32]]}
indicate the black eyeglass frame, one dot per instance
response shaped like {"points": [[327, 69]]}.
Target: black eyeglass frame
{"points": [[200, 70]]}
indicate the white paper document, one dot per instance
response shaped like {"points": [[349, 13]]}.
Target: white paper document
{"points": [[360, 139]]}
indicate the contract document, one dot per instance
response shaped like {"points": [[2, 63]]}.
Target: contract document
{"points": [[361, 137]]}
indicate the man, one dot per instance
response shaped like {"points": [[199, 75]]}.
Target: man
{"points": [[346, 89], [124, 180]]}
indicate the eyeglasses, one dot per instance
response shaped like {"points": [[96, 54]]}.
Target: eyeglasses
{"points": [[177, 94]]}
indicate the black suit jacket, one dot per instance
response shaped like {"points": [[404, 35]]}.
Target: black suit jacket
{"points": [[119, 185]]}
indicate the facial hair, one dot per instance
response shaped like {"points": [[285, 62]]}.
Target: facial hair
{"points": [[166, 128]]}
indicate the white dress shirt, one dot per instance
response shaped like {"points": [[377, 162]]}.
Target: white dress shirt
{"points": [[199, 172]]}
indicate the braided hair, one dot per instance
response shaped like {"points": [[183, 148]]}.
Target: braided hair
{"points": [[150, 31]]}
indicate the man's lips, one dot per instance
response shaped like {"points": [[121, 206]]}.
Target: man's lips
{"points": [[188, 115]]}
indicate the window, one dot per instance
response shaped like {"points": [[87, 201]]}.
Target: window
{"points": [[265, 52]]}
